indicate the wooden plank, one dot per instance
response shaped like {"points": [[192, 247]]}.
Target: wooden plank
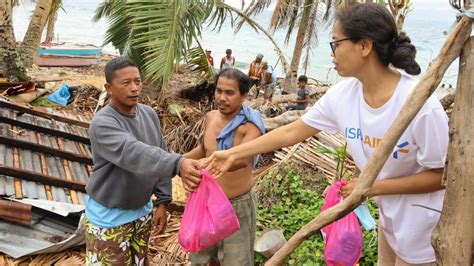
{"points": [[44, 168], [41, 178], [44, 149], [74, 197], [16, 163], [31, 111], [44, 130]]}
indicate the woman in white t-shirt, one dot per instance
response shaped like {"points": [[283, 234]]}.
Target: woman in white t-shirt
{"points": [[363, 107]]}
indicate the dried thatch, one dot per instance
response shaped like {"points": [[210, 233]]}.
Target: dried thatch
{"points": [[75, 257], [86, 100], [164, 249], [307, 152]]}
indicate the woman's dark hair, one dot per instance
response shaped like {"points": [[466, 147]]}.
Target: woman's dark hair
{"points": [[234, 74], [374, 22]]}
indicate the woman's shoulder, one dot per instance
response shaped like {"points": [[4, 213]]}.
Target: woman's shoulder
{"points": [[409, 84], [347, 87]]}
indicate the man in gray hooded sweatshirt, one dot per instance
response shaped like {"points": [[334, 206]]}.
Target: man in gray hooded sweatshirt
{"points": [[131, 163]]}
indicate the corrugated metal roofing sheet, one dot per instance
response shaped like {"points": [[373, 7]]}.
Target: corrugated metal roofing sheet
{"points": [[41, 163], [48, 233]]}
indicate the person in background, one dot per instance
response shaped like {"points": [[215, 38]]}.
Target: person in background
{"points": [[303, 95], [267, 82], [228, 60], [130, 164], [378, 62], [209, 57], [228, 126], [254, 73]]}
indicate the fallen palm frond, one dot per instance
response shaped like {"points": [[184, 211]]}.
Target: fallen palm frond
{"points": [[308, 153], [71, 257], [85, 101], [164, 248]]}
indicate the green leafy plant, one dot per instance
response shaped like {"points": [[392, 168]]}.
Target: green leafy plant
{"points": [[296, 205], [340, 154]]}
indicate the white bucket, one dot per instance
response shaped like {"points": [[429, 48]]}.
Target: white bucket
{"points": [[270, 242]]}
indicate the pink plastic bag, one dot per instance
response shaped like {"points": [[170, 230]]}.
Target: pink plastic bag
{"points": [[344, 236], [208, 216]]}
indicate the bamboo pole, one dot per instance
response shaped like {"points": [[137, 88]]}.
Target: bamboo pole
{"points": [[449, 52], [454, 236]]}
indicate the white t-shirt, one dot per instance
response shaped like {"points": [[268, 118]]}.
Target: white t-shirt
{"points": [[422, 146]]}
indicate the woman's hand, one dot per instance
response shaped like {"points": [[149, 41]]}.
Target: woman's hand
{"points": [[220, 162], [349, 187]]}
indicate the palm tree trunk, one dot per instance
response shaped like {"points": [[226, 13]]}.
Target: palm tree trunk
{"points": [[290, 80], [10, 65], [400, 22], [50, 28], [32, 39]]}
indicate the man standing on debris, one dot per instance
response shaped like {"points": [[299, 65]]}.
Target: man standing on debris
{"points": [[130, 164], [209, 57], [254, 73], [228, 61], [303, 95], [267, 82], [232, 124]]}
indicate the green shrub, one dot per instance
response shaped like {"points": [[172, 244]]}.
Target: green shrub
{"points": [[293, 206]]}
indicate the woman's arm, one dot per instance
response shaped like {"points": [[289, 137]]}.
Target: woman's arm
{"points": [[221, 161], [423, 182]]}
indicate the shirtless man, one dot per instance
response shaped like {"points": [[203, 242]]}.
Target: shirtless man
{"points": [[230, 125]]}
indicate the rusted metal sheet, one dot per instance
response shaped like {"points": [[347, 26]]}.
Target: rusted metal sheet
{"points": [[15, 212]]}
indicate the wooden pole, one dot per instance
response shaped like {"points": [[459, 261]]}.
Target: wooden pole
{"points": [[416, 100], [453, 237]]}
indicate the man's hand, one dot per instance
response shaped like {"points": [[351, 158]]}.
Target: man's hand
{"points": [[220, 163], [159, 218], [349, 187], [189, 173], [292, 101]]}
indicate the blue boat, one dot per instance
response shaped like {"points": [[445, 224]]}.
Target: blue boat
{"points": [[69, 49]]}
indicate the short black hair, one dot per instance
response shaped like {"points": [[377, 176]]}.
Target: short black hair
{"points": [[303, 78], [228, 51], [116, 64], [234, 74]]}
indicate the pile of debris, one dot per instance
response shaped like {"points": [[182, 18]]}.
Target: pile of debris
{"points": [[87, 99]]}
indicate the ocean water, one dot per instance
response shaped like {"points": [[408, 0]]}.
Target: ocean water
{"points": [[427, 25]]}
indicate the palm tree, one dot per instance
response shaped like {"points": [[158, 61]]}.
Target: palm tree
{"points": [[400, 9], [159, 34], [52, 17], [32, 39], [10, 65]]}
